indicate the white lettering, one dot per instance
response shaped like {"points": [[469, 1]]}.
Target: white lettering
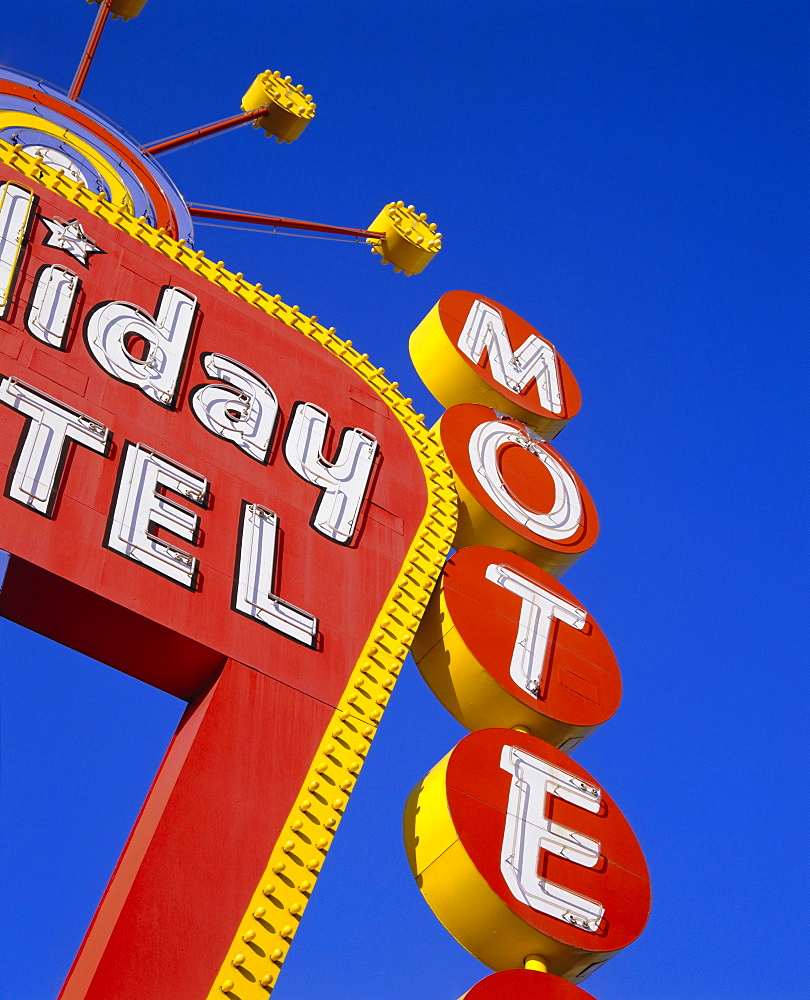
{"points": [[535, 359], [538, 609], [344, 481], [255, 578], [51, 302], [16, 204], [51, 426], [244, 411], [565, 516], [138, 506], [529, 832], [113, 326]]}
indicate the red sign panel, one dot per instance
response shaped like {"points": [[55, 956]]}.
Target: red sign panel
{"points": [[573, 868], [516, 491], [198, 494], [472, 349], [169, 601], [519, 852]]}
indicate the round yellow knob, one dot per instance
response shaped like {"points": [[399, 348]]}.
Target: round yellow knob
{"points": [[408, 243], [289, 110]]}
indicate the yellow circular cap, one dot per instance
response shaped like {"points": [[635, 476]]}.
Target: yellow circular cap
{"points": [[410, 243], [289, 110]]}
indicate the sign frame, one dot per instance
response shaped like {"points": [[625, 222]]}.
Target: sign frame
{"points": [[243, 973]]}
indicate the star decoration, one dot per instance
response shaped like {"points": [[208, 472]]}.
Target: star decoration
{"points": [[70, 237]]}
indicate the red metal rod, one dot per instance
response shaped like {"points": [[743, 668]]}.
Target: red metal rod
{"points": [[89, 50], [224, 214], [205, 131]]}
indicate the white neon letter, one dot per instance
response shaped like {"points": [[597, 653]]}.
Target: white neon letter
{"points": [[112, 325], [255, 577], [565, 516], [344, 481], [16, 204], [138, 506], [485, 329], [51, 303], [35, 477], [529, 832], [538, 608], [244, 411]]}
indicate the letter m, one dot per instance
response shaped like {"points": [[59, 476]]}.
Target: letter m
{"points": [[535, 359]]}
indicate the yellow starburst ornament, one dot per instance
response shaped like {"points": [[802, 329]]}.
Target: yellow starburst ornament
{"points": [[410, 242], [289, 111]]}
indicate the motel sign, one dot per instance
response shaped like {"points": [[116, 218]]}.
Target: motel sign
{"points": [[210, 491]]}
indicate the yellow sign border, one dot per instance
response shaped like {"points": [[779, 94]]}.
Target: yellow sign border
{"points": [[251, 967]]}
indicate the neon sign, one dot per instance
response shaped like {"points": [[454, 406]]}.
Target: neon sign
{"points": [[212, 492], [519, 852]]}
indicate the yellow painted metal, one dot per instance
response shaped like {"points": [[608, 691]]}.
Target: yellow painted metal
{"points": [[452, 379], [410, 242], [438, 834], [468, 691], [127, 9], [462, 900], [119, 192], [280, 898], [290, 109]]}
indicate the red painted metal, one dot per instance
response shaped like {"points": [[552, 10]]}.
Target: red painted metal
{"points": [[63, 583], [276, 221], [524, 984], [165, 213], [214, 790], [90, 50], [205, 131]]}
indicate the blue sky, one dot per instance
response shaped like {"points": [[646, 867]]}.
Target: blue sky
{"points": [[628, 176]]}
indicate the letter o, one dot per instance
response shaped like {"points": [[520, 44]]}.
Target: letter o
{"points": [[515, 491]]}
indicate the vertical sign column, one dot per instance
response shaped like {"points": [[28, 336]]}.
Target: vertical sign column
{"points": [[520, 853]]}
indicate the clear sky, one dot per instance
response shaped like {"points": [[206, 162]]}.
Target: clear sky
{"points": [[629, 177]]}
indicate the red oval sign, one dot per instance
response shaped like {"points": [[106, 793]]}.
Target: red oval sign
{"points": [[470, 348], [523, 984], [519, 852], [516, 491], [505, 644]]}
